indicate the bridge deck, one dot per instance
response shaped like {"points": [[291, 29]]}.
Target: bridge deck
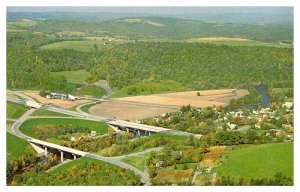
{"points": [[137, 126], [59, 147]]}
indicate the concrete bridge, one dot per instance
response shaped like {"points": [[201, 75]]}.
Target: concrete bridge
{"points": [[43, 147], [137, 129], [143, 130]]}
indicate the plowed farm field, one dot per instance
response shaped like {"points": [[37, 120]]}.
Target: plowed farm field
{"points": [[141, 107]]}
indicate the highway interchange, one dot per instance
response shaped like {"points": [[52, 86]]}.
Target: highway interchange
{"points": [[79, 115]]}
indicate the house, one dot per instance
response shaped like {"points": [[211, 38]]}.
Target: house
{"points": [[257, 125], [208, 170], [286, 126], [93, 133], [288, 105], [231, 126], [158, 164], [73, 139]]}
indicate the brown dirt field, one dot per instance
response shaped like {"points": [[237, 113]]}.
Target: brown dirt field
{"points": [[212, 157], [219, 97], [139, 107], [126, 111], [173, 176], [58, 102]]}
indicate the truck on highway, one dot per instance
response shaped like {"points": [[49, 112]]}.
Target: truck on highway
{"points": [[33, 104]]}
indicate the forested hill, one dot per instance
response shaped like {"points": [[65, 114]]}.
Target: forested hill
{"points": [[195, 65], [160, 27]]}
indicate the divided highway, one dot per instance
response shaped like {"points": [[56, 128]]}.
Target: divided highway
{"points": [[82, 115]]}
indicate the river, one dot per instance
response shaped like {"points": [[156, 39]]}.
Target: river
{"points": [[264, 92]]}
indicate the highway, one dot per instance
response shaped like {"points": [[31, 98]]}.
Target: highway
{"points": [[82, 115], [113, 160]]}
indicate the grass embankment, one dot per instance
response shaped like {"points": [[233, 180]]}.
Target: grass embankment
{"points": [[85, 108], [16, 147], [42, 112], [14, 110], [138, 161], [77, 77], [28, 126], [261, 161], [91, 90], [148, 88]]}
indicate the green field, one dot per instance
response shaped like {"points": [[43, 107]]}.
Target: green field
{"points": [[91, 90], [85, 108], [77, 77], [148, 88], [239, 43], [16, 147], [176, 138], [27, 126], [85, 46], [14, 110], [259, 161], [138, 161], [42, 112]]}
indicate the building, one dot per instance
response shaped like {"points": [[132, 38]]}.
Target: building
{"points": [[67, 97], [93, 133]]}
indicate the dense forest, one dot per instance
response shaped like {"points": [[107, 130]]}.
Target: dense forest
{"points": [[143, 67], [163, 27], [29, 67], [199, 66]]}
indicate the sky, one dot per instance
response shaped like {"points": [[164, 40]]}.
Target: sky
{"points": [[158, 10]]}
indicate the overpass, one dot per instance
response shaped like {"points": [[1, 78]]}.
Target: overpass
{"points": [[143, 130], [44, 147], [54, 148]]}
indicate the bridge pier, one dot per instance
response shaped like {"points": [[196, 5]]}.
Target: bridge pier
{"points": [[127, 130], [46, 151], [61, 156], [138, 133], [74, 156]]}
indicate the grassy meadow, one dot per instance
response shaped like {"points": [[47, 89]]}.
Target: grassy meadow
{"points": [[258, 161], [77, 77], [90, 90], [14, 110], [28, 126], [16, 147]]}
